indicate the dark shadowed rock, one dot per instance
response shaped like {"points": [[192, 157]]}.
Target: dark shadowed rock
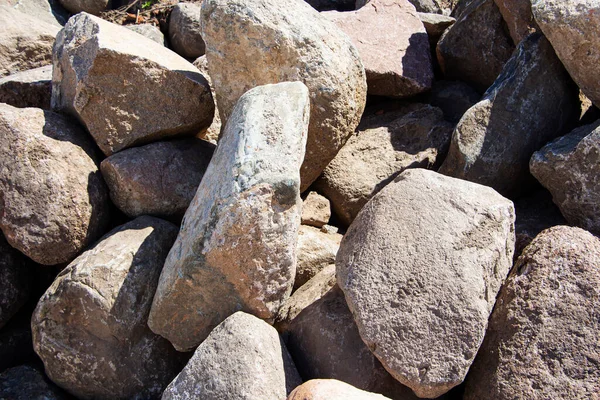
{"points": [[126, 89], [518, 17], [435, 25], [420, 268], [90, 327], [53, 200], [328, 5], [543, 340], [31, 88], [89, 6], [159, 178], [14, 281], [242, 358], [27, 383], [185, 34], [454, 98], [494, 140]]}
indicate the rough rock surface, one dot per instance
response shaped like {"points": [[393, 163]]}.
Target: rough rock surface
{"points": [[102, 347], [569, 168], [31, 88], [393, 45], [476, 47], [211, 134], [27, 383], [236, 249], [49, 11], [543, 340], [435, 25], [185, 33], [494, 140], [242, 358], [328, 389], [157, 179], [382, 148], [454, 98], [89, 6], [422, 263], [291, 43], [54, 202], [125, 88], [316, 210], [149, 31], [316, 250], [324, 341], [573, 28], [518, 17], [25, 41], [14, 281]]}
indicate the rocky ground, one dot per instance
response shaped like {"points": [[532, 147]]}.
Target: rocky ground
{"points": [[301, 200]]}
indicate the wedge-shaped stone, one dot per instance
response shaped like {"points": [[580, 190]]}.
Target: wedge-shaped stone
{"points": [[237, 246]]}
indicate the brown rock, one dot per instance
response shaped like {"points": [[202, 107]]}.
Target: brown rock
{"points": [[291, 43], [316, 250], [435, 25], [126, 89], [543, 340], [211, 134], [393, 45], [54, 201], [185, 33], [157, 179], [476, 47], [31, 88], [89, 6], [329, 389], [518, 17], [316, 210]]}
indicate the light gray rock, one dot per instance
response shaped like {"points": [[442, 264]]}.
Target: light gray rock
{"points": [[569, 168], [242, 358], [293, 42], [543, 340], [236, 249], [157, 179], [185, 34], [54, 201], [494, 140], [90, 327], [149, 31], [327, 389], [316, 210], [126, 89], [518, 17], [383, 147], [316, 250], [211, 134], [573, 28], [25, 41], [420, 268], [476, 47], [89, 6], [14, 281], [27, 383], [393, 45], [31, 88], [49, 11]]}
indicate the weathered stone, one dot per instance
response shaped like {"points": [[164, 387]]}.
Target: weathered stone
{"points": [[89, 6], [90, 327], [454, 98], [435, 25], [543, 340], [125, 88], [27, 383], [382, 148], [185, 34], [328, 389], [420, 268], [236, 249], [494, 140], [573, 28], [242, 358], [25, 41], [518, 17], [293, 42], [31, 88], [316, 250], [157, 179], [14, 281], [324, 341], [53, 200], [476, 47], [306, 294], [214, 130], [49, 11], [393, 45], [316, 210], [149, 31], [569, 168], [444, 7]]}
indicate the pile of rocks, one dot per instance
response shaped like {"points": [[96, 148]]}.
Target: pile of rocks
{"points": [[280, 199]]}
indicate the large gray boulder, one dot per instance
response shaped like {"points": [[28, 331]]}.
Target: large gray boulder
{"points": [[125, 88], [420, 268], [292, 42], [236, 249], [157, 179], [242, 358], [393, 45], [569, 168], [494, 140], [543, 340], [185, 34], [14, 281], [54, 201], [573, 28], [90, 327], [31, 88]]}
